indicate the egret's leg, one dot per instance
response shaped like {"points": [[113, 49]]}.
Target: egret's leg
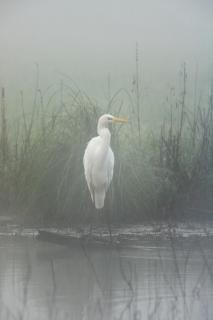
{"points": [[108, 222], [91, 227], [108, 214], [109, 226]]}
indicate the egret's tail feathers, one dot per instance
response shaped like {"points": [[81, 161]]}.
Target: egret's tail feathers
{"points": [[99, 199]]}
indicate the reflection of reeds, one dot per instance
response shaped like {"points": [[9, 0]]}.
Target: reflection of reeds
{"points": [[152, 290], [185, 300]]}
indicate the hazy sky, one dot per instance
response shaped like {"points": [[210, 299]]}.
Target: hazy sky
{"points": [[89, 39]]}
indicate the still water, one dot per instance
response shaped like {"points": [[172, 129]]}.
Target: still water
{"points": [[168, 279]]}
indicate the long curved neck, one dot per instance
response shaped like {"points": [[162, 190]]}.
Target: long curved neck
{"points": [[105, 135]]}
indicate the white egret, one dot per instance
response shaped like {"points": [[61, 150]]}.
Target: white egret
{"points": [[99, 160]]}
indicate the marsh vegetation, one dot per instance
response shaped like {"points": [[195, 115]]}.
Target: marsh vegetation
{"points": [[161, 168], [148, 253]]}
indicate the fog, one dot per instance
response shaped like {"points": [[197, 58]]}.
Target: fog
{"points": [[88, 40], [148, 251]]}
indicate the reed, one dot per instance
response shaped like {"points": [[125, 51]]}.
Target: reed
{"points": [[156, 171]]}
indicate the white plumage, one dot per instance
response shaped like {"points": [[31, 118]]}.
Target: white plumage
{"points": [[99, 161]]}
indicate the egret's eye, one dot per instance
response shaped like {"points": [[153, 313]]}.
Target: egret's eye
{"points": [[109, 118]]}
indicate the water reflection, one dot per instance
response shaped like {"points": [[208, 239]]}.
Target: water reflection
{"points": [[167, 280]]}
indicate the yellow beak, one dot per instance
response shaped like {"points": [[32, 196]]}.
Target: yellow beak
{"points": [[121, 120]]}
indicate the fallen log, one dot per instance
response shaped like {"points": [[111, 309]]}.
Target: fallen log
{"points": [[69, 240]]}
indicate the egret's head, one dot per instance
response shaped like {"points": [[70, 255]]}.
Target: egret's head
{"points": [[108, 118]]}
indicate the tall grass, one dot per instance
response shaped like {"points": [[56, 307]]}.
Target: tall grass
{"points": [[156, 171]]}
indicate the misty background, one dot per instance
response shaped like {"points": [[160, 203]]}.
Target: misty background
{"points": [[148, 252], [64, 63], [94, 41]]}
